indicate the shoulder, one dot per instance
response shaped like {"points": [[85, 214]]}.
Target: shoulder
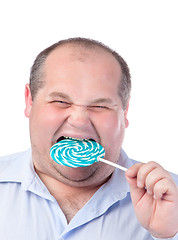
{"points": [[12, 160], [10, 157]]}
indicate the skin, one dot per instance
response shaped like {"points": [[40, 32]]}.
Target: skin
{"points": [[80, 99], [155, 198]]}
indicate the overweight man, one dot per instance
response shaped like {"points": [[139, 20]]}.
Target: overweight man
{"points": [[80, 88]]}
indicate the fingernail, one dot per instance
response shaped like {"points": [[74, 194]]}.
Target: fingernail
{"points": [[149, 192], [139, 184], [155, 197]]}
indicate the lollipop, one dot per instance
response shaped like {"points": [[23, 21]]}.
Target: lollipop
{"points": [[75, 153]]}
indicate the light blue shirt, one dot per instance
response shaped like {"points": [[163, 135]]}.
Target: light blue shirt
{"points": [[29, 212]]}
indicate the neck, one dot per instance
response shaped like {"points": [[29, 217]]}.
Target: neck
{"points": [[70, 199]]}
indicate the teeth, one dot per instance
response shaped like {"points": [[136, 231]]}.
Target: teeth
{"points": [[76, 138], [80, 139]]}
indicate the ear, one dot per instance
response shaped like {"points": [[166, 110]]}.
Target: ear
{"points": [[28, 101], [125, 115]]}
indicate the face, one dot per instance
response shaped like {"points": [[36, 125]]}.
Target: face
{"points": [[79, 99]]}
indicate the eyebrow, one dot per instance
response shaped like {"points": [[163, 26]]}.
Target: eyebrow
{"points": [[59, 94], [102, 100], [95, 101]]}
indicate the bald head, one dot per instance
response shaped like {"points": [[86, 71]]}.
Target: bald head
{"points": [[81, 49]]}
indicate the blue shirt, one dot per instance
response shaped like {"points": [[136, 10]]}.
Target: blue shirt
{"points": [[29, 212]]}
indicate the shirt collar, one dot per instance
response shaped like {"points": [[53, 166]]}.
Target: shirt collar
{"points": [[117, 186], [19, 168], [118, 181], [113, 191]]}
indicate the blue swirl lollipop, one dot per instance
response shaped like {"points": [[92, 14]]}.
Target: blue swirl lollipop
{"points": [[75, 153]]}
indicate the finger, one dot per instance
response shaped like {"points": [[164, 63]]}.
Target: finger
{"points": [[133, 170], [131, 176], [143, 172], [153, 177], [165, 189]]}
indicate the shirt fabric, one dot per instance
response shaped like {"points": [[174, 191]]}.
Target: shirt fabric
{"points": [[29, 212]]}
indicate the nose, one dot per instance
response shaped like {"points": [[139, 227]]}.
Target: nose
{"points": [[78, 117]]}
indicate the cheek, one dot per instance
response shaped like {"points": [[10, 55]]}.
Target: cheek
{"points": [[111, 129], [44, 122], [50, 115], [110, 125]]}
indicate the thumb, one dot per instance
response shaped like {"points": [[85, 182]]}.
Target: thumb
{"points": [[131, 176]]}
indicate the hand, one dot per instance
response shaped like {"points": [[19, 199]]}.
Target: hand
{"points": [[155, 198]]}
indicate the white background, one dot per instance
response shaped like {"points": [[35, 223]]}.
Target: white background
{"points": [[145, 33]]}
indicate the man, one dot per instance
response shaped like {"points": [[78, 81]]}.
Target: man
{"points": [[80, 88]]}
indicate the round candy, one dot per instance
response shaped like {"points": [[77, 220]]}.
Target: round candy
{"points": [[76, 153]]}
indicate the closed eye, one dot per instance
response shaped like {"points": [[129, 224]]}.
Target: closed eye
{"points": [[61, 104], [98, 108]]}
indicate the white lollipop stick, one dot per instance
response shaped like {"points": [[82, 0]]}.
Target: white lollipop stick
{"points": [[112, 164]]}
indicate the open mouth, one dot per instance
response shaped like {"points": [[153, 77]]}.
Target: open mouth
{"points": [[81, 139]]}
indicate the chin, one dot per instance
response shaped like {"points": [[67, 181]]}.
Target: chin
{"points": [[77, 176]]}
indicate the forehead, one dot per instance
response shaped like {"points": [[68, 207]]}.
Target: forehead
{"points": [[82, 73], [75, 67], [72, 52]]}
